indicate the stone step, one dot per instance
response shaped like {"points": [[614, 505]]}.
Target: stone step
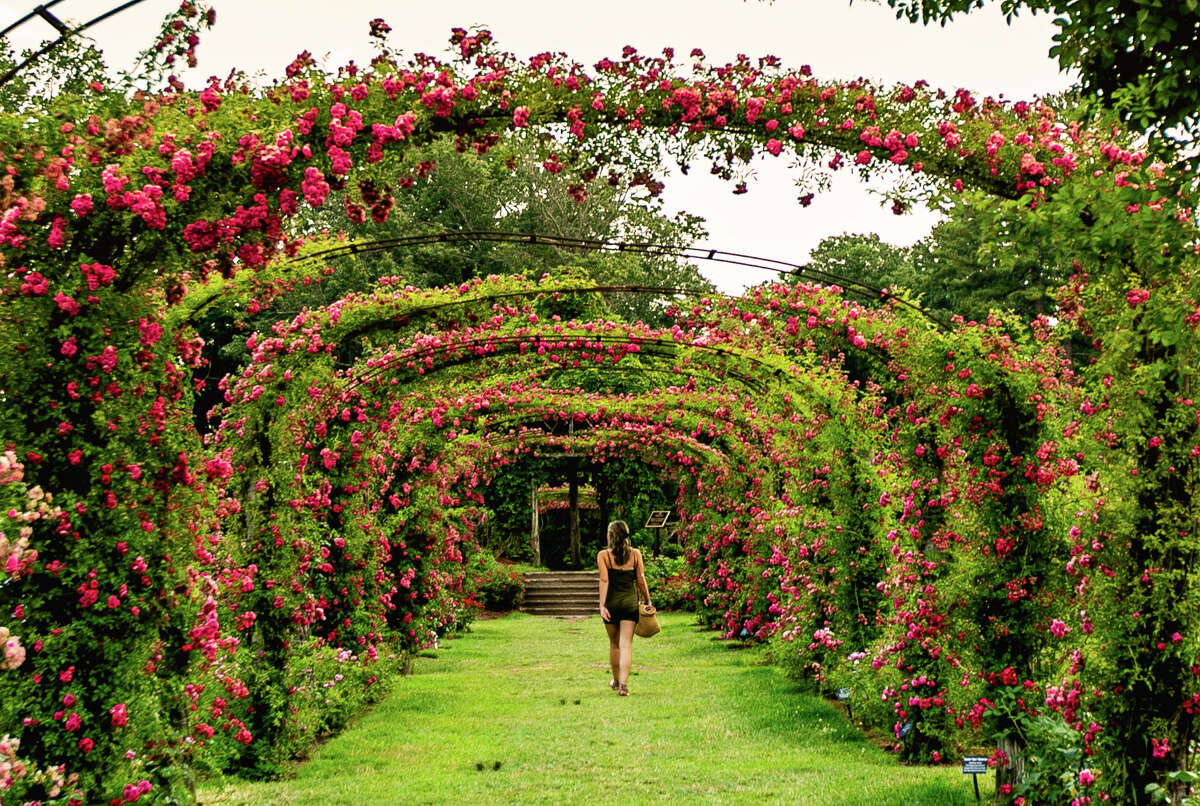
{"points": [[584, 580], [564, 586], [567, 593], [561, 593], [560, 611], [577, 590], [558, 593], [541, 604], [562, 572], [566, 578], [562, 576]]}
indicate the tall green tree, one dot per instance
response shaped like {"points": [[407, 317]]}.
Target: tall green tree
{"points": [[508, 190], [1138, 58], [865, 260], [975, 262], [972, 263], [515, 188]]}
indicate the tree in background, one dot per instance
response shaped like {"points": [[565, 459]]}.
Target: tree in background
{"points": [[972, 263], [1138, 58], [975, 262], [514, 188], [510, 189], [865, 259]]}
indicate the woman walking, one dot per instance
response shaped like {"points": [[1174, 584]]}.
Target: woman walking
{"points": [[621, 580]]}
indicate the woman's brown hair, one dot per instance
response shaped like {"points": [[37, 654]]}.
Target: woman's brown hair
{"points": [[618, 542]]}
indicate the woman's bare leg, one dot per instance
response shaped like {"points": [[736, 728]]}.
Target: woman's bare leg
{"points": [[614, 649], [626, 651]]}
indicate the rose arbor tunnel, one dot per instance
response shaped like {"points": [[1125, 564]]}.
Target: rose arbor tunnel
{"points": [[366, 436]]}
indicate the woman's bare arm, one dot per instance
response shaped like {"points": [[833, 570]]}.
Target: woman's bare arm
{"points": [[641, 577], [603, 584]]}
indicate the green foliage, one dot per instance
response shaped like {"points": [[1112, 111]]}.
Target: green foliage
{"points": [[67, 70], [1178, 782], [864, 259], [506, 533], [1053, 756], [977, 262]]}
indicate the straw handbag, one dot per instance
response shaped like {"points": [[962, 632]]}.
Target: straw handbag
{"points": [[647, 620]]}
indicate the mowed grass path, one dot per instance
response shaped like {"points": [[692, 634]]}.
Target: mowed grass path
{"points": [[703, 724]]}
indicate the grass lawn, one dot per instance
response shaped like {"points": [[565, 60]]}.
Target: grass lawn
{"points": [[527, 700]]}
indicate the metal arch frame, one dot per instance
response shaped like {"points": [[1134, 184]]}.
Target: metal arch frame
{"points": [[43, 10], [780, 267]]}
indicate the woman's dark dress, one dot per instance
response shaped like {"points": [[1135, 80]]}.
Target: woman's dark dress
{"points": [[622, 598]]}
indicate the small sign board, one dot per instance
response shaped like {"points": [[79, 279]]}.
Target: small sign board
{"points": [[906, 729], [975, 765], [658, 518], [843, 693]]}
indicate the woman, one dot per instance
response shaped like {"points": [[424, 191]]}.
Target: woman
{"points": [[621, 580]]}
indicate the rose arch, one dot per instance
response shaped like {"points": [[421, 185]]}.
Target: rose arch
{"points": [[962, 528]]}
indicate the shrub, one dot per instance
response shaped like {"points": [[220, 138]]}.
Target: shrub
{"points": [[670, 586], [493, 585], [323, 687]]}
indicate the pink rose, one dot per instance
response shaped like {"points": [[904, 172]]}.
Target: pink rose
{"points": [[1136, 297], [82, 205], [14, 653], [120, 716]]}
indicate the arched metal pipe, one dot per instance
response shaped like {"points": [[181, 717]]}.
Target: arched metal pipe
{"points": [[780, 267], [65, 32]]}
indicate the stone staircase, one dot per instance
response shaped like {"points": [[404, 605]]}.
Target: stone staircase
{"points": [[562, 593]]}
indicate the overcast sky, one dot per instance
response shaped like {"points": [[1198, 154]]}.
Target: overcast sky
{"points": [[837, 39]]}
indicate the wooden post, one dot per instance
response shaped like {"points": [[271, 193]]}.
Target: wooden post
{"points": [[534, 532], [1014, 773], [602, 503], [573, 500]]}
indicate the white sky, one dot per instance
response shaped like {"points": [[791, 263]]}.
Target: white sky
{"points": [[838, 39]]}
